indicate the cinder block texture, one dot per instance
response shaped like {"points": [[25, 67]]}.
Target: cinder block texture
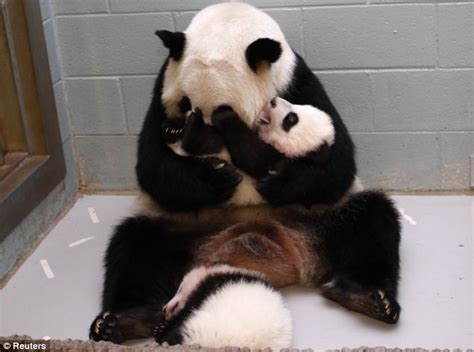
{"points": [[351, 93], [95, 106], [400, 72], [107, 162], [454, 158], [370, 36], [80, 7], [187, 5], [424, 100], [398, 160], [137, 93], [105, 45], [456, 35]]}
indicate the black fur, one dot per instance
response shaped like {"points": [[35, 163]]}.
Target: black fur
{"points": [[321, 177], [170, 331], [147, 257], [289, 121], [262, 50], [298, 181], [248, 152], [360, 241], [175, 182], [200, 138], [175, 41]]}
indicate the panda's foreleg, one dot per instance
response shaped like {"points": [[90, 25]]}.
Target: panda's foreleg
{"points": [[247, 151], [144, 265], [175, 182], [200, 138], [361, 241]]}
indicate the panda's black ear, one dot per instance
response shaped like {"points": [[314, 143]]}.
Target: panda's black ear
{"points": [[175, 41], [262, 50]]}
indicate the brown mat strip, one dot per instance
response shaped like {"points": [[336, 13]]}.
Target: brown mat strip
{"points": [[86, 346]]}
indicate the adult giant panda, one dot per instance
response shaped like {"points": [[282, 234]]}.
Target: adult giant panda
{"points": [[233, 54]]}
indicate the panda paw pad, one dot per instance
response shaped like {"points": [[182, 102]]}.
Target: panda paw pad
{"points": [[105, 327]]}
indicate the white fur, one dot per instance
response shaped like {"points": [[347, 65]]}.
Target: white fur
{"points": [[239, 314], [213, 70], [190, 282], [312, 130]]}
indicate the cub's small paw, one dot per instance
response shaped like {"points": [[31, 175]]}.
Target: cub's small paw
{"points": [[388, 307], [159, 331], [106, 327]]}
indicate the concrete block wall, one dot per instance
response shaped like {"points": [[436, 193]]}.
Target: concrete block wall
{"points": [[400, 72]]}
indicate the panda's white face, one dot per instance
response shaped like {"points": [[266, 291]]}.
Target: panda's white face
{"points": [[294, 130], [213, 69]]}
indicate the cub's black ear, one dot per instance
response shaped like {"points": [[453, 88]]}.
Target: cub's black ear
{"points": [[175, 41], [262, 50]]}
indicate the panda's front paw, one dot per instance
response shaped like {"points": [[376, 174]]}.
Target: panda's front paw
{"points": [[193, 128], [222, 115], [224, 177], [173, 129]]}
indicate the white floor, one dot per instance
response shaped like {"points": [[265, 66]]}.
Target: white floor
{"points": [[436, 290]]}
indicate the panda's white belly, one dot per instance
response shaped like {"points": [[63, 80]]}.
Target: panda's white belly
{"points": [[245, 194]]}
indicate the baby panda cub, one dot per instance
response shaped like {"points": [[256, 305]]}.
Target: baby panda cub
{"points": [[286, 131], [221, 306]]}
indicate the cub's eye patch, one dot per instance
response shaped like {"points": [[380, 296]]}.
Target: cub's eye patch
{"points": [[289, 121], [185, 105]]}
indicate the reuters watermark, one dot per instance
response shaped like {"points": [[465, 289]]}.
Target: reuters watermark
{"points": [[24, 345]]}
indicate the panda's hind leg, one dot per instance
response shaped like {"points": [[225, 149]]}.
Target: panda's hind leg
{"points": [[168, 332], [361, 240], [373, 302], [130, 324], [138, 280]]}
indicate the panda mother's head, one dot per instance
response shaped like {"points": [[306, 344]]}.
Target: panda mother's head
{"points": [[231, 54]]}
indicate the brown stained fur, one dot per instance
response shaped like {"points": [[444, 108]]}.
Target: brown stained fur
{"points": [[266, 246]]}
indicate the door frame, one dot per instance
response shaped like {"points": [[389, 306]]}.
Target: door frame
{"points": [[23, 189]]}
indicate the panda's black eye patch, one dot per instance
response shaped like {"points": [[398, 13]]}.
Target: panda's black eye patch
{"points": [[185, 105], [289, 121]]}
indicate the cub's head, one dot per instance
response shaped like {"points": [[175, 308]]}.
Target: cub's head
{"points": [[294, 130], [231, 54]]}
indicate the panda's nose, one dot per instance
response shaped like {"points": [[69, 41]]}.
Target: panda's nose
{"points": [[273, 102]]}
